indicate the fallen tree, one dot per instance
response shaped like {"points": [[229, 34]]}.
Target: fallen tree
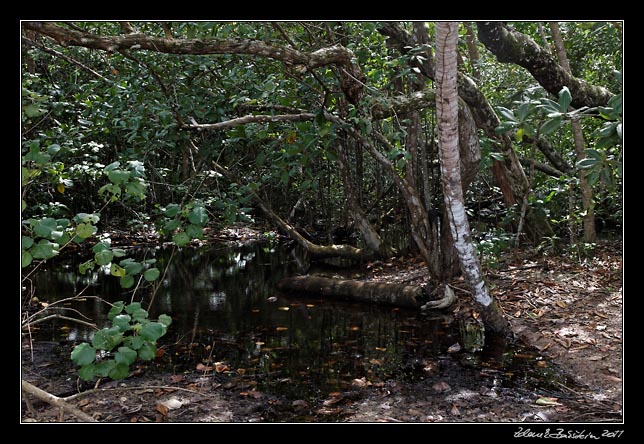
{"points": [[400, 295]]}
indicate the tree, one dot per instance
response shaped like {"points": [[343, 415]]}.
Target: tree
{"points": [[447, 113]]}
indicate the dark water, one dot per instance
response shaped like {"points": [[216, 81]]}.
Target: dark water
{"points": [[226, 310]]}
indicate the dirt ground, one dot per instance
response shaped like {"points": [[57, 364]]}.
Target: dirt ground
{"points": [[569, 311]]}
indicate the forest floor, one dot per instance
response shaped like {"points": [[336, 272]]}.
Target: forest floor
{"points": [[569, 311]]}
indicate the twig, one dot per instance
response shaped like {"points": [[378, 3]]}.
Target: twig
{"points": [[55, 401], [115, 389], [59, 316]]}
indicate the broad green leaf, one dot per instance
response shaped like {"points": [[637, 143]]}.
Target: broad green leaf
{"points": [[122, 321], [120, 371], [134, 342], [181, 239], [44, 249], [171, 210], [172, 225], [26, 242], [44, 227], [507, 114], [53, 148], [117, 271], [101, 246], [112, 166], [104, 368], [594, 154], [136, 189], [127, 281], [147, 351], [198, 216], [83, 354], [85, 230], [585, 164], [125, 355], [87, 372], [165, 319], [116, 309], [60, 237], [564, 99], [152, 274], [86, 218], [194, 231], [131, 266], [26, 259], [134, 306], [550, 126], [153, 331], [118, 252], [104, 257], [524, 111], [107, 338], [118, 176], [139, 315], [63, 223]]}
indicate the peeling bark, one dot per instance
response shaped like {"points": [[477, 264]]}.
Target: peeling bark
{"points": [[447, 114], [511, 46]]}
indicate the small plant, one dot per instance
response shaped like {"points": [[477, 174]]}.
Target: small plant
{"points": [[131, 336]]}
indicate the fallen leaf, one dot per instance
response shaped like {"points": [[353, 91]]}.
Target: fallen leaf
{"points": [[281, 329], [283, 308], [310, 305], [171, 404], [241, 371], [360, 382], [455, 348], [220, 367], [596, 358], [600, 328], [517, 314], [441, 386], [272, 299], [176, 378], [355, 328], [547, 401], [455, 411], [203, 368], [545, 347], [375, 362], [542, 364], [561, 304], [162, 408], [381, 349]]}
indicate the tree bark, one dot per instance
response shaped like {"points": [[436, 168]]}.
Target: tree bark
{"points": [[511, 46], [447, 113], [472, 50], [400, 295], [590, 234]]}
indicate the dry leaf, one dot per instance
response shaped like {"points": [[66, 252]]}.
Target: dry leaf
{"points": [[561, 304], [355, 328], [542, 364], [176, 378], [441, 386], [310, 305], [381, 349], [455, 411], [547, 401], [281, 329], [220, 367], [455, 348], [360, 382], [203, 368], [162, 408], [241, 371], [283, 308]]}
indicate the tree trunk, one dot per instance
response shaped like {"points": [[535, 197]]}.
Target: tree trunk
{"points": [[590, 234], [400, 295], [447, 112], [472, 50]]}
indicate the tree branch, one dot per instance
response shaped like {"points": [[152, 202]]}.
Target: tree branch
{"points": [[251, 118], [511, 46], [55, 401]]}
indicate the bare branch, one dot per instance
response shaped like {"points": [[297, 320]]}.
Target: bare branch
{"points": [[251, 118], [55, 401]]}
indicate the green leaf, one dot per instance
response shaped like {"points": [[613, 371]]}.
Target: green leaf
{"points": [[86, 218], [172, 225], [504, 127], [131, 266], [44, 249], [112, 166], [165, 320], [122, 321], [118, 252], [44, 227], [507, 114], [120, 371], [127, 281], [87, 372], [171, 210], [152, 274], [101, 246], [85, 230], [524, 111], [194, 231], [104, 368], [85, 266], [198, 216], [139, 315], [116, 309], [107, 338], [181, 239], [118, 176], [117, 271], [134, 306], [147, 351], [518, 136], [103, 257], [26, 242], [136, 188], [564, 99], [53, 148], [60, 237], [134, 342], [83, 354], [550, 126], [125, 355], [26, 259], [153, 331]]}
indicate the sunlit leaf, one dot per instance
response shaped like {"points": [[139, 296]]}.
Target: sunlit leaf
{"points": [[116, 270], [85, 230], [547, 401]]}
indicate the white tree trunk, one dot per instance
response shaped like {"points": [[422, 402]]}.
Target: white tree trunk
{"points": [[447, 114]]}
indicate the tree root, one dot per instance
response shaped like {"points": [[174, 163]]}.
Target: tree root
{"points": [[55, 401]]}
